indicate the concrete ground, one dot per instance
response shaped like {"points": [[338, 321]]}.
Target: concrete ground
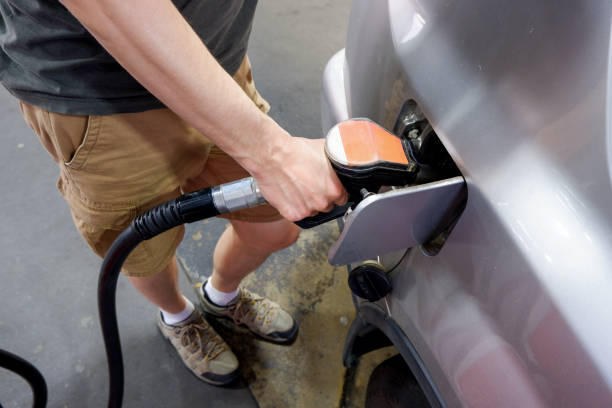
{"points": [[48, 277]]}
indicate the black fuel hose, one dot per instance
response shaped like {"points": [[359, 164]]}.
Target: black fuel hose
{"points": [[30, 373], [187, 208], [107, 286]]}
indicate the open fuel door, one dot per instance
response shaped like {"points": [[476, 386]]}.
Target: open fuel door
{"points": [[397, 219]]}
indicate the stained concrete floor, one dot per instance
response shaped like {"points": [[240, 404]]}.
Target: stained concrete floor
{"points": [[48, 277]]}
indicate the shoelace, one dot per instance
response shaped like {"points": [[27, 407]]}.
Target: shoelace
{"points": [[250, 307], [210, 344]]}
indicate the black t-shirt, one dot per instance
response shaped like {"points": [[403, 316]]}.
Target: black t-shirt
{"points": [[48, 59]]}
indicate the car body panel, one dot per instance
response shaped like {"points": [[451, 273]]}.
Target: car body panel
{"points": [[515, 310]]}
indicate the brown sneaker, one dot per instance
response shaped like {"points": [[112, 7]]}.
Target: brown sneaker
{"points": [[261, 316], [201, 349]]}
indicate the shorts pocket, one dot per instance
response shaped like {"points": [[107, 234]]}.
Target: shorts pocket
{"points": [[88, 142], [75, 136]]}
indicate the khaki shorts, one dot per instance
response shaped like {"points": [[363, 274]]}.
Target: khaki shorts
{"points": [[115, 167]]}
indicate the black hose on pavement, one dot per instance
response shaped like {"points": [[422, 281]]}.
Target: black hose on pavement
{"points": [[30, 373], [187, 208]]}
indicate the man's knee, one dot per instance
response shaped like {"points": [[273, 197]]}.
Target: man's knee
{"points": [[268, 236]]}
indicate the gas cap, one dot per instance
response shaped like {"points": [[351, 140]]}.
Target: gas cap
{"points": [[369, 281]]}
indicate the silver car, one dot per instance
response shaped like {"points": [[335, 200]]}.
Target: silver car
{"points": [[510, 304]]}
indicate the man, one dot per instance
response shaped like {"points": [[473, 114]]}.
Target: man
{"points": [[136, 103]]}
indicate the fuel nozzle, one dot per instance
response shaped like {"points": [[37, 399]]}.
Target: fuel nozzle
{"points": [[367, 156]]}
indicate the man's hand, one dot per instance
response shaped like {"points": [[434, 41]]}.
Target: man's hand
{"points": [[299, 181]]}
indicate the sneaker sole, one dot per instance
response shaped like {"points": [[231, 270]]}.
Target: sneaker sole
{"points": [[219, 380]]}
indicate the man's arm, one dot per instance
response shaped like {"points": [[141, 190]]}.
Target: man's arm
{"points": [[155, 44]]}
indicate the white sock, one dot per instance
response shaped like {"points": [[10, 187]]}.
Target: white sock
{"points": [[219, 298], [174, 318]]}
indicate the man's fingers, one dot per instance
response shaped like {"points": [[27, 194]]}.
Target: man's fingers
{"points": [[343, 199], [329, 208]]}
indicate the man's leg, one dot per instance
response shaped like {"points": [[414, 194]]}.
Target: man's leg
{"points": [[162, 288], [200, 347], [244, 246], [241, 249]]}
